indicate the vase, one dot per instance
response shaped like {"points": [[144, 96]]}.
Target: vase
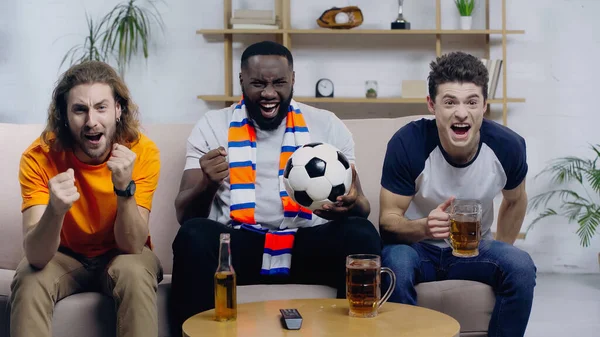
{"points": [[466, 22]]}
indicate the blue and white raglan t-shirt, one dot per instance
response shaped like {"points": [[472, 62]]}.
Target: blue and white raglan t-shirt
{"points": [[416, 165]]}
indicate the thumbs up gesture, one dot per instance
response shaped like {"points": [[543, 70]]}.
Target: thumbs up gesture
{"points": [[63, 192], [438, 221]]}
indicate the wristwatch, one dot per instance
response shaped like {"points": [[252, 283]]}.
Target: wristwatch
{"points": [[128, 192]]}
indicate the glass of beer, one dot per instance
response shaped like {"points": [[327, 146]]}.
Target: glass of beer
{"points": [[465, 227], [363, 284]]}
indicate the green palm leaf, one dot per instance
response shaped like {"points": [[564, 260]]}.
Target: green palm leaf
{"points": [[546, 213], [566, 169], [588, 222], [574, 206], [542, 199]]}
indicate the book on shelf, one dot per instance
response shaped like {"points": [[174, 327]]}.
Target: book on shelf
{"points": [[253, 19], [494, 67], [253, 26]]}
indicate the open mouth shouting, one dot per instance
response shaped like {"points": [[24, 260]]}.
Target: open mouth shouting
{"points": [[93, 138], [460, 130], [269, 109]]}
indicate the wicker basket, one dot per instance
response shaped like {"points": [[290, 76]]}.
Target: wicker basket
{"points": [[327, 19]]}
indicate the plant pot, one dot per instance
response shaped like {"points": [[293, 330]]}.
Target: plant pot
{"points": [[466, 22]]}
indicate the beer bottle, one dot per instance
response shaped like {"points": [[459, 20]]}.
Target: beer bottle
{"points": [[225, 283]]}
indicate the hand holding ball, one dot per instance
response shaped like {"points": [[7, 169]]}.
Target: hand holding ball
{"points": [[316, 174]]}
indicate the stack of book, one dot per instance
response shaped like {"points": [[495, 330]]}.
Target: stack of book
{"points": [[254, 19], [493, 67]]}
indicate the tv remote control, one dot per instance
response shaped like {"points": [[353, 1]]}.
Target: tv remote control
{"points": [[291, 319]]}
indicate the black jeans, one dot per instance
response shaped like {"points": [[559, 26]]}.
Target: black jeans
{"points": [[318, 257]]}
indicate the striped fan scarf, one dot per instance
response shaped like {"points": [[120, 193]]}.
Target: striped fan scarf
{"points": [[277, 254]]}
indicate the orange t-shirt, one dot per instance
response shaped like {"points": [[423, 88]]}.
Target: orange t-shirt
{"points": [[88, 226]]}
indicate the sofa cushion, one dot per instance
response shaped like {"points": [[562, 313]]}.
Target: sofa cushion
{"points": [[470, 303], [6, 277]]}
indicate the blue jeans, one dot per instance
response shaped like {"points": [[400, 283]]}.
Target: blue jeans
{"points": [[510, 271]]}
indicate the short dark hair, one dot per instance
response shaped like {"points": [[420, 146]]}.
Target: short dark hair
{"points": [[457, 67], [267, 48]]}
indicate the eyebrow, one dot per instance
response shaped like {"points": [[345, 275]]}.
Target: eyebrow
{"points": [[261, 80], [454, 97], [79, 106], [104, 101], [84, 106]]}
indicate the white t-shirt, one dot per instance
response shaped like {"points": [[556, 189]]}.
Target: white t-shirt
{"points": [[211, 131], [416, 165]]}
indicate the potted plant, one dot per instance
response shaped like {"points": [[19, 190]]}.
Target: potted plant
{"points": [[579, 204], [120, 34], [127, 29], [465, 8], [90, 49]]}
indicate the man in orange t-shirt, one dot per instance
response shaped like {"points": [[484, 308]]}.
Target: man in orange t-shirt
{"points": [[87, 185]]}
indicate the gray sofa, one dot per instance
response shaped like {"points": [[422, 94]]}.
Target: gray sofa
{"points": [[93, 314]]}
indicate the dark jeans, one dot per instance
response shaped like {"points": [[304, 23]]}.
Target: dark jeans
{"points": [[510, 271], [318, 257]]}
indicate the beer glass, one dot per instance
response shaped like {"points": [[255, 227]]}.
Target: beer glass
{"points": [[465, 227], [363, 284]]}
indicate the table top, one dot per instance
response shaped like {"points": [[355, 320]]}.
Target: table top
{"points": [[324, 318]]}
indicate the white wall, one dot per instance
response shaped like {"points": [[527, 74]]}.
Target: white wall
{"points": [[552, 65]]}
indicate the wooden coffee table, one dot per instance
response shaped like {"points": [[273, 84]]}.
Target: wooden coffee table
{"points": [[324, 317]]}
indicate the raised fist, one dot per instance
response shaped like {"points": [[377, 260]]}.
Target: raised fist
{"points": [[120, 165], [63, 192], [214, 165]]}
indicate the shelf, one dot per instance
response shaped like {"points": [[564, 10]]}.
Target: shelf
{"points": [[356, 31], [387, 100], [238, 31], [286, 35], [400, 32]]}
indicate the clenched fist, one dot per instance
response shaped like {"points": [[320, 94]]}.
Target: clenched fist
{"points": [[438, 221], [214, 165], [120, 164], [63, 192]]}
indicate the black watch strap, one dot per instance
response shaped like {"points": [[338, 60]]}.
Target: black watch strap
{"points": [[128, 192]]}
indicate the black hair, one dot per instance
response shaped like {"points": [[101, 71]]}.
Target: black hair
{"points": [[267, 48], [457, 67]]}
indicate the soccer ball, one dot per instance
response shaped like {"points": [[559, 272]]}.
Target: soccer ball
{"points": [[316, 174]]}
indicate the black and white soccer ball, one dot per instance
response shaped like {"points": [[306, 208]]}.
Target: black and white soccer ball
{"points": [[316, 174]]}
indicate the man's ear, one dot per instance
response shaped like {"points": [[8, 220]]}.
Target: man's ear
{"points": [[430, 104], [241, 81], [118, 110], [293, 77]]}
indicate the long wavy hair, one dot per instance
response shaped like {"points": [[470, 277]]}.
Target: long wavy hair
{"points": [[57, 133]]}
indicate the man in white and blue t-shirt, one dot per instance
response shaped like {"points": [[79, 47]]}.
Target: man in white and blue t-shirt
{"points": [[457, 155]]}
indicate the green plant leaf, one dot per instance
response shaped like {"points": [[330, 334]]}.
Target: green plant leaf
{"points": [[572, 210], [542, 199], [566, 169], [588, 223], [129, 32], [585, 211], [89, 49], [546, 213], [465, 7]]}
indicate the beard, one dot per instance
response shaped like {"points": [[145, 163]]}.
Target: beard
{"points": [[96, 152], [268, 124]]}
